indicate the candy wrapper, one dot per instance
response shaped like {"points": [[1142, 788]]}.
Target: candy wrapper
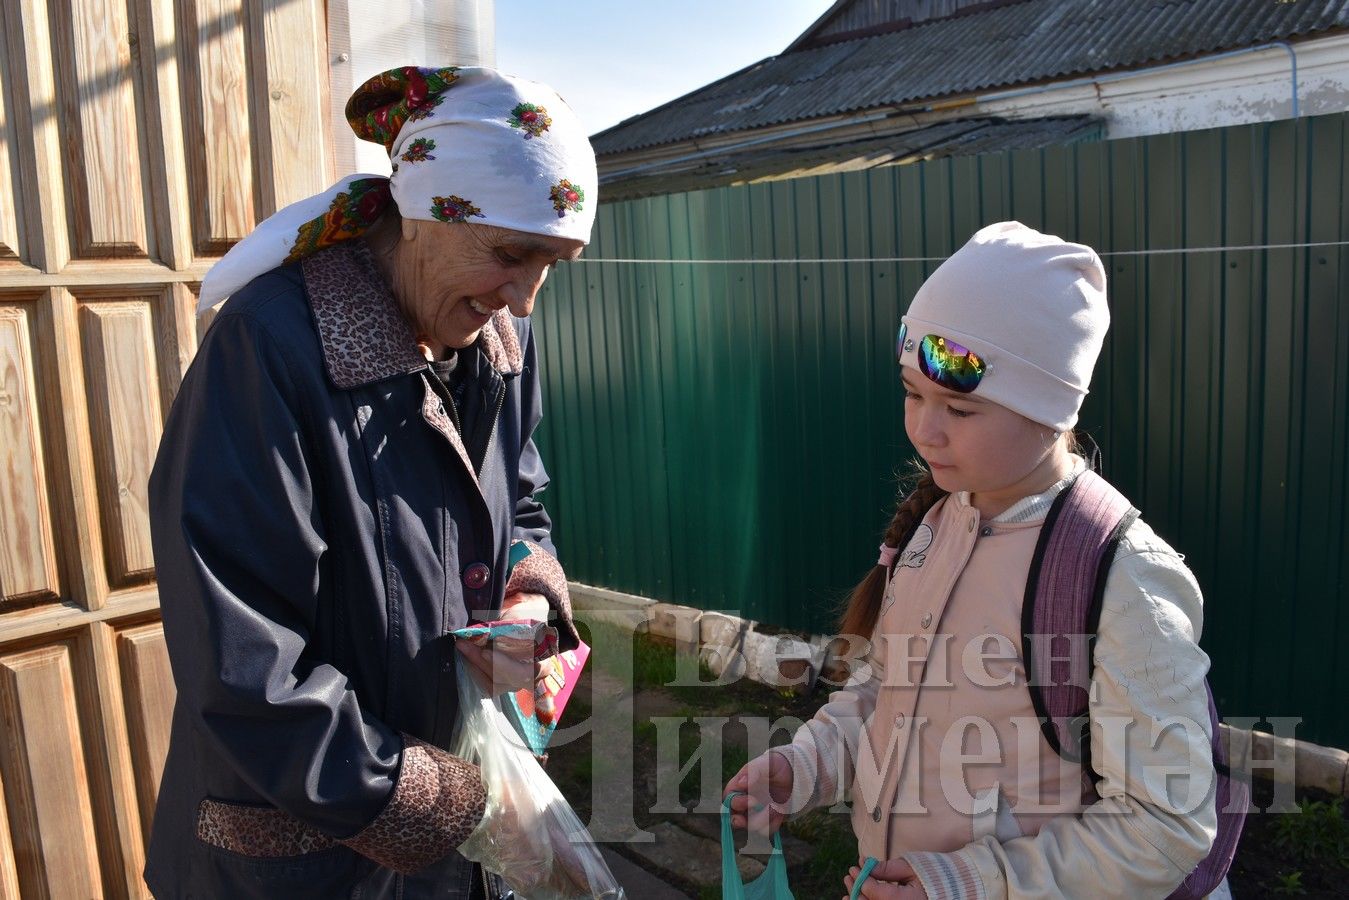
{"points": [[537, 712]]}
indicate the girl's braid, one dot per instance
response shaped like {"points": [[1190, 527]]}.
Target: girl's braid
{"points": [[864, 604]]}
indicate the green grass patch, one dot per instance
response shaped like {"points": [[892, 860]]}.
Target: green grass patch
{"points": [[835, 850], [652, 660], [1317, 833]]}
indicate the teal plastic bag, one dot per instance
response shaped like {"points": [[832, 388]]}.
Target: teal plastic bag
{"points": [[771, 885], [862, 876]]}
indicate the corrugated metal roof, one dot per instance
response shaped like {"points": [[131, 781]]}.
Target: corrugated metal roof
{"points": [[958, 137], [848, 18], [1022, 43]]}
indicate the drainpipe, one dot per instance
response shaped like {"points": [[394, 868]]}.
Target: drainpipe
{"points": [[1120, 76], [1292, 59]]}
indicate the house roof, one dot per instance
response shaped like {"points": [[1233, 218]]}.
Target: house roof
{"points": [[995, 47], [957, 137]]}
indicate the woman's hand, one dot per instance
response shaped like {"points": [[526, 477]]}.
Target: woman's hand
{"points": [[525, 606], [891, 880], [499, 666], [766, 784], [506, 664]]}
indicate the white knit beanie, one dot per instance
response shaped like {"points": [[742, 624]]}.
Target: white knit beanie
{"points": [[1031, 305]]}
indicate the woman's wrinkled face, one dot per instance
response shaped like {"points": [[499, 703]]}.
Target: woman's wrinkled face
{"points": [[976, 445], [451, 278]]}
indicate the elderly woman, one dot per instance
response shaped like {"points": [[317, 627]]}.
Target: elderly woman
{"points": [[345, 477]]}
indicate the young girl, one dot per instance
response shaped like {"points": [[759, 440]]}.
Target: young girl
{"points": [[952, 782]]}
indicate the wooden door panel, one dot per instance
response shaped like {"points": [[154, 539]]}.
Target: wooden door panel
{"points": [[121, 376], [95, 74], [147, 691], [70, 452], [9, 212], [175, 316], [216, 122], [27, 545], [32, 89], [9, 874], [42, 760], [292, 104]]}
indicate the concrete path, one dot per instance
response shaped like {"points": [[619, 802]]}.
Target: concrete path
{"points": [[638, 883]]}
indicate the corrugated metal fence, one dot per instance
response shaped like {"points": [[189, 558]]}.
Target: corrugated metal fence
{"points": [[726, 435]]}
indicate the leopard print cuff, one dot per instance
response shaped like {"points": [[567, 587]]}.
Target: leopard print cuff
{"points": [[438, 801], [541, 573], [258, 831]]}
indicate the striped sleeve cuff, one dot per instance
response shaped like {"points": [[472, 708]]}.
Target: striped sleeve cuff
{"points": [[805, 785], [947, 876]]}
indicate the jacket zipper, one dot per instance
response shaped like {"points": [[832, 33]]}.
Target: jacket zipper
{"points": [[501, 402], [448, 400]]}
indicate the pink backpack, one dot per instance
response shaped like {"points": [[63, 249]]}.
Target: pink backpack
{"points": [[1064, 592]]}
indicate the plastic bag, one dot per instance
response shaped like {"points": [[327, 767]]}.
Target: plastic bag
{"points": [[771, 885], [529, 834]]}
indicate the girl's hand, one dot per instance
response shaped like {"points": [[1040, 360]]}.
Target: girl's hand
{"points": [[891, 880], [765, 782]]}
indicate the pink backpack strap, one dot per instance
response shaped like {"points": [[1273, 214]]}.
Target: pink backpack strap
{"points": [[1064, 592], [1062, 608]]}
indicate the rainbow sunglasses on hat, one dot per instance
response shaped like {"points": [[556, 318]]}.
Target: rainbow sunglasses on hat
{"points": [[943, 361]]}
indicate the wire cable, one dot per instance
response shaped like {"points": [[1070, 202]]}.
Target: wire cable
{"points": [[1170, 251]]}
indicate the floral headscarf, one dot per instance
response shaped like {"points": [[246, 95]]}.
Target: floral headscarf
{"points": [[467, 145]]}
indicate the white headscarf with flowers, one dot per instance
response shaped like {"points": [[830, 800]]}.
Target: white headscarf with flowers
{"points": [[467, 145]]}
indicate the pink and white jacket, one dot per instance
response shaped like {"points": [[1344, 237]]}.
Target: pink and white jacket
{"points": [[937, 742]]}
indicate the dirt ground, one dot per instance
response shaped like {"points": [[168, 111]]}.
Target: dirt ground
{"points": [[1303, 854]]}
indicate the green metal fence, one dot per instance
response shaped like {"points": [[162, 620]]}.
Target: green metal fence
{"points": [[727, 435]]}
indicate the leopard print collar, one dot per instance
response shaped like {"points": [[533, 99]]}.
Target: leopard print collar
{"points": [[364, 335]]}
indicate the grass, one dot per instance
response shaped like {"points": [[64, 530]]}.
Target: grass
{"points": [[1317, 833], [1289, 884], [652, 662], [835, 850]]}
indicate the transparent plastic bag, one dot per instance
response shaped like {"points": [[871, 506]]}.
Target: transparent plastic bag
{"points": [[529, 834]]}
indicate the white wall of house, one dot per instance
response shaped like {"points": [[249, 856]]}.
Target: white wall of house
{"points": [[1252, 86], [365, 37]]}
